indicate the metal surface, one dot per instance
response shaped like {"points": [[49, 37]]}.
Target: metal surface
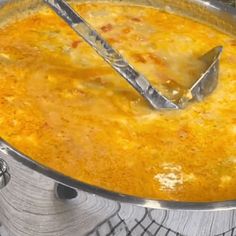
{"points": [[214, 12], [201, 88], [208, 80], [63, 192], [4, 174]]}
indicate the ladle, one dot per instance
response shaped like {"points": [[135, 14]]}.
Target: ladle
{"points": [[203, 85]]}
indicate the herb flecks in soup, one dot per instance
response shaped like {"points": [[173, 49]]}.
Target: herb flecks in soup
{"points": [[62, 105]]}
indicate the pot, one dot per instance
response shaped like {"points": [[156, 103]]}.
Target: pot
{"points": [[210, 12]]}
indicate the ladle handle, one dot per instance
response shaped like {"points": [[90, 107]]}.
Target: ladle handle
{"points": [[111, 56]]}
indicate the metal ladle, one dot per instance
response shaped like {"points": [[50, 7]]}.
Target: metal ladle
{"points": [[203, 86]]}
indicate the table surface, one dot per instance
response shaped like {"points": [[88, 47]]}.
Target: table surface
{"points": [[29, 209]]}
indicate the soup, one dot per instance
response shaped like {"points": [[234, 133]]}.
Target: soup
{"points": [[63, 106]]}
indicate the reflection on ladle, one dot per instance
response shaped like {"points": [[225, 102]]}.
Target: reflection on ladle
{"points": [[179, 96]]}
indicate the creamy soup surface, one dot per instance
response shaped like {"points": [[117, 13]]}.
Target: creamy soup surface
{"points": [[63, 106]]}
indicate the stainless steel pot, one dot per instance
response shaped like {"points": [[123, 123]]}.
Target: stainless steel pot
{"points": [[210, 12]]}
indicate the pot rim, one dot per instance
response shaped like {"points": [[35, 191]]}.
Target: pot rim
{"points": [[7, 149]]}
